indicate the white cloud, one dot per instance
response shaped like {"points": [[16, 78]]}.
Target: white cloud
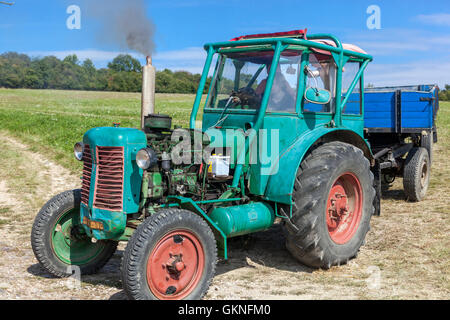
{"points": [[397, 42], [439, 19], [405, 56], [191, 53], [391, 47], [414, 73]]}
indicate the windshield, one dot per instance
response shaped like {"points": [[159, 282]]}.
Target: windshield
{"points": [[240, 81]]}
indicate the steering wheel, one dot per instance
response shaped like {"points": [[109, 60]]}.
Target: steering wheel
{"points": [[245, 97]]}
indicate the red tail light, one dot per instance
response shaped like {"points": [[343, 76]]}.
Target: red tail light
{"points": [[109, 178]]}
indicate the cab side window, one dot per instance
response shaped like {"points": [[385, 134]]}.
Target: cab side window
{"points": [[283, 96], [320, 74], [353, 105]]}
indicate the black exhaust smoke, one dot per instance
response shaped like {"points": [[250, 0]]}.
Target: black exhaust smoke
{"points": [[122, 23]]}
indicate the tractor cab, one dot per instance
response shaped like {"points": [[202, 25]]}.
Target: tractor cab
{"points": [[284, 85], [304, 77]]}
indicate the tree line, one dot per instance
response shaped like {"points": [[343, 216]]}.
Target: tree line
{"points": [[123, 73], [444, 94]]}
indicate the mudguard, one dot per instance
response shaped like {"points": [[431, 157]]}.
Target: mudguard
{"points": [[280, 185]]}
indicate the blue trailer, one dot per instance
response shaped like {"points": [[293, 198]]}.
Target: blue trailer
{"points": [[409, 109], [400, 127]]}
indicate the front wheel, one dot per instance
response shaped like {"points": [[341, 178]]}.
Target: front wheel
{"points": [[171, 255], [59, 241], [332, 205]]}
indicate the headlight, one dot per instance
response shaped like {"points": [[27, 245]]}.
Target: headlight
{"points": [[146, 158], [78, 150]]}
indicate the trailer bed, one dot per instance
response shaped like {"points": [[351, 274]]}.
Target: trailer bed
{"points": [[408, 109]]}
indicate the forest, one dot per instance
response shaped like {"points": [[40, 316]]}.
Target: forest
{"points": [[123, 73]]}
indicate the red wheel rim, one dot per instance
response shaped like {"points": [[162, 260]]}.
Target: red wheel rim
{"points": [[344, 208], [175, 265]]}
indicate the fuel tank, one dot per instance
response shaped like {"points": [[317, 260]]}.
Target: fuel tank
{"points": [[243, 219]]}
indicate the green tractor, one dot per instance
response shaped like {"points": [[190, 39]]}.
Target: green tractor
{"points": [[279, 148]]}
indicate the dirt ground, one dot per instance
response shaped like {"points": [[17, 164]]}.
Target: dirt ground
{"points": [[406, 255]]}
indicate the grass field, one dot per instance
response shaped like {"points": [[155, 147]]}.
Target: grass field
{"points": [[52, 121], [407, 254]]}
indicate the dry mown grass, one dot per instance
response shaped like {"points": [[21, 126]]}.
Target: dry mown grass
{"points": [[406, 255]]}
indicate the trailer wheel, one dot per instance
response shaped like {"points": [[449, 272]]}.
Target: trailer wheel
{"points": [[171, 255], [59, 241], [333, 203], [416, 174]]}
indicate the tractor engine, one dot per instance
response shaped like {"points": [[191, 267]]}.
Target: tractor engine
{"points": [[126, 170]]}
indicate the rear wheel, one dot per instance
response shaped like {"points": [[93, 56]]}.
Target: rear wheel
{"points": [[416, 174], [333, 203], [172, 255], [59, 241]]}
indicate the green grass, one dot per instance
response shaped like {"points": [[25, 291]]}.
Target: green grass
{"points": [[52, 121], [443, 125]]}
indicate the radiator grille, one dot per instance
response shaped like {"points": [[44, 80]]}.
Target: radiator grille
{"points": [[87, 171], [109, 178]]}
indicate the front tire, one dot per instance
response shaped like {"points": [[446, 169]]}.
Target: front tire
{"points": [[172, 255], [59, 242], [332, 206]]}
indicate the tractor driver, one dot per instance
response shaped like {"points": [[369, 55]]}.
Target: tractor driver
{"points": [[282, 96]]}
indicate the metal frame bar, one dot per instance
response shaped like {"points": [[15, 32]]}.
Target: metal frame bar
{"points": [[213, 48]]}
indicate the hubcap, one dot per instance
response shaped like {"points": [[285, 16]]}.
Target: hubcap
{"points": [[175, 265], [344, 208], [69, 242], [424, 175]]}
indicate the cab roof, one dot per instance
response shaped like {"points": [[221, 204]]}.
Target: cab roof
{"points": [[300, 34]]}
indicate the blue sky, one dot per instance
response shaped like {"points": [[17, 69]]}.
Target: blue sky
{"points": [[412, 46]]}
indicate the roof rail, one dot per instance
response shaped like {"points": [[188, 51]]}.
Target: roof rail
{"points": [[290, 34]]}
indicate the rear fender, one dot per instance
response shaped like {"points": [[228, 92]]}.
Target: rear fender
{"points": [[280, 185]]}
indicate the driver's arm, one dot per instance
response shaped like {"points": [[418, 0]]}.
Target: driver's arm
{"points": [[260, 88]]}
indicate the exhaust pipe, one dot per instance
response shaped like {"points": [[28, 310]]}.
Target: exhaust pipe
{"points": [[148, 91]]}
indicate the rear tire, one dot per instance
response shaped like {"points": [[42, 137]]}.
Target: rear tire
{"points": [[59, 242], [416, 174], [171, 255], [327, 228]]}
